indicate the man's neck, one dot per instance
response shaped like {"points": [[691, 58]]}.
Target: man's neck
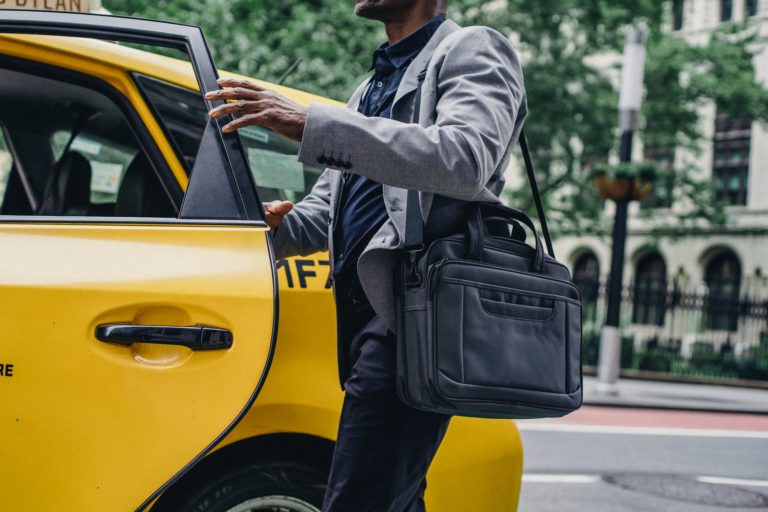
{"points": [[399, 29]]}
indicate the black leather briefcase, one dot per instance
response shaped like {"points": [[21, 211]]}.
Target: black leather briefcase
{"points": [[487, 325]]}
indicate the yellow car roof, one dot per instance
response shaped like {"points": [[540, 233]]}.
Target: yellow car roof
{"points": [[130, 59]]}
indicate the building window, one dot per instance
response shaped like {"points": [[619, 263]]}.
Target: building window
{"points": [[649, 294], [586, 277], [677, 14], [661, 197], [726, 10], [750, 7], [731, 161], [723, 278]]}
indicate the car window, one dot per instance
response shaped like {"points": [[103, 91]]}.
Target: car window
{"points": [[80, 147], [107, 160], [272, 158], [6, 162]]}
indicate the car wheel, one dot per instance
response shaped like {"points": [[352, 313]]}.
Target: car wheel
{"points": [[262, 487]]}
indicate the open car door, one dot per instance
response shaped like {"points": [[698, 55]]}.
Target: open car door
{"points": [[131, 346]]}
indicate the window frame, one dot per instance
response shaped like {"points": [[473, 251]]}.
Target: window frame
{"points": [[678, 16], [723, 141], [643, 312], [138, 128], [722, 313], [726, 10], [236, 197]]}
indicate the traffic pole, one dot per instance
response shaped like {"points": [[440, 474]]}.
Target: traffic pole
{"points": [[630, 99]]}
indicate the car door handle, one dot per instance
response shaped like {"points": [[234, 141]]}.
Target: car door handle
{"points": [[196, 337]]}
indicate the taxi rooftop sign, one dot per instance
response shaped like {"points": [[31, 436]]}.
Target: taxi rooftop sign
{"points": [[48, 5]]}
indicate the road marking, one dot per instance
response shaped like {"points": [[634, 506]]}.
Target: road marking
{"points": [[546, 478], [639, 431], [729, 481], [553, 478]]}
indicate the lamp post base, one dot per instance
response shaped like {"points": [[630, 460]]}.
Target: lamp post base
{"points": [[609, 363]]}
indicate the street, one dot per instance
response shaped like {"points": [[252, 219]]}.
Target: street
{"points": [[613, 459]]}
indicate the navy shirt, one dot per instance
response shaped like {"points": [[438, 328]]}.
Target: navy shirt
{"points": [[362, 210]]}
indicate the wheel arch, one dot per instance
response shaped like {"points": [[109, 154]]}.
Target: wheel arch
{"points": [[290, 446]]}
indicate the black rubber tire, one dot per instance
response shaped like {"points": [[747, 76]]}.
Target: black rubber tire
{"points": [[297, 482]]}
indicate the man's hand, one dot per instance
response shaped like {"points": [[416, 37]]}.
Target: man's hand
{"points": [[276, 211], [255, 105]]}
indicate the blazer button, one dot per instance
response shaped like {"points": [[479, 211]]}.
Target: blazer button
{"points": [[322, 160]]}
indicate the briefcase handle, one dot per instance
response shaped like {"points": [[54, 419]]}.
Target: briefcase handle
{"points": [[478, 213]]}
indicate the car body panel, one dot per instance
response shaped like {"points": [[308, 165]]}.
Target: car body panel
{"points": [[97, 426]]}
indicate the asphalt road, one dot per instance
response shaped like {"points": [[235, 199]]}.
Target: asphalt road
{"points": [[622, 460]]}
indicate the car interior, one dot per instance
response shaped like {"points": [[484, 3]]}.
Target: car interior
{"points": [[72, 151]]}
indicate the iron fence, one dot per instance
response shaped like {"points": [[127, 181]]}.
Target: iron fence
{"points": [[690, 334]]}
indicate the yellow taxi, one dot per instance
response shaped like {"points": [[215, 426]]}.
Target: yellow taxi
{"points": [[154, 355]]}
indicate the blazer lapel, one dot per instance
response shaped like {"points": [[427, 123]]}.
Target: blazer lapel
{"points": [[394, 197], [409, 82]]}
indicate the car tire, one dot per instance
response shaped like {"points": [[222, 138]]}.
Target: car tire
{"points": [[278, 486]]}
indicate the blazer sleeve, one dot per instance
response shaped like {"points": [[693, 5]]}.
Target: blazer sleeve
{"points": [[305, 229], [479, 94]]}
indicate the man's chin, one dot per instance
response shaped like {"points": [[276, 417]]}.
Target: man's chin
{"points": [[368, 9]]}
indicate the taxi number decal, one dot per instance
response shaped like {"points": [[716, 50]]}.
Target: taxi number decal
{"points": [[6, 370], [304, 269]]}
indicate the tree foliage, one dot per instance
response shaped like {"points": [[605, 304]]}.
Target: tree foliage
{"points": [[564, 45], [264, 38]]}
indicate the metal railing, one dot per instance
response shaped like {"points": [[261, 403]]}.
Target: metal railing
{"points": [[685, 335]]}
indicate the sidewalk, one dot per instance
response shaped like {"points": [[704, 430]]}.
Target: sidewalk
{"points": [[674, 395]]}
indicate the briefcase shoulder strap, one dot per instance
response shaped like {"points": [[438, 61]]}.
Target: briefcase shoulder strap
{"points": [[414, 224]]}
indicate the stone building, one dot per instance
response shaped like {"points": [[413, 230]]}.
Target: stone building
{"points": [[710, 287]]}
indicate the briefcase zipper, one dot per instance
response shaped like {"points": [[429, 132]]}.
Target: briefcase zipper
{"points": [[432, 276]]}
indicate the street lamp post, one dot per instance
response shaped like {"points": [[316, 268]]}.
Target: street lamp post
{"points": [[630, 98]]}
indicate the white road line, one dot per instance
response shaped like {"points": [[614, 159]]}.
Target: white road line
{"points": [[546, 478], [639, 431], [728, 481], [553, 478]]}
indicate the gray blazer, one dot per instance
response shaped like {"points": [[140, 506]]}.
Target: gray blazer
{"points": [[472, 110]]}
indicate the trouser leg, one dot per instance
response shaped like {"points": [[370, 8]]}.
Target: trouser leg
{"points": [[384, 448]]}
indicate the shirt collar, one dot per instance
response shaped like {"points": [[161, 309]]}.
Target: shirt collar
{"points": [[402, 52]]}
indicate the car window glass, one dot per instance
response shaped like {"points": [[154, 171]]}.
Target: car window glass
{"points": [[272, 158], [82, 147], [108, 163], [6, 162]]}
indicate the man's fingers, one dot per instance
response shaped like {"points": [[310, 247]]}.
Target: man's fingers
{"points": [[238, 107], [238, 93], [280, 207], [276, 210], [235, 82], [259, 119]]}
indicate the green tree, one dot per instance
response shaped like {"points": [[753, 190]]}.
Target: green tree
{"points": [[264, 38]]}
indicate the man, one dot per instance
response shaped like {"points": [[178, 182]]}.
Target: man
{"points": [[472, 110]]}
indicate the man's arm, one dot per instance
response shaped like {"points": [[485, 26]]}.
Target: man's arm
{"points": [[304, 230], [480, 93]]}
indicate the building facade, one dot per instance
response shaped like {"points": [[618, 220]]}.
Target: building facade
{"points": [[706, 290]]}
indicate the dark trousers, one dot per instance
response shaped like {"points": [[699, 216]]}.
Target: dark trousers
{"points": [[384, 448]]}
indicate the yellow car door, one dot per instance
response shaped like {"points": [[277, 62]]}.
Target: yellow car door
{"points": [[131, 343]]}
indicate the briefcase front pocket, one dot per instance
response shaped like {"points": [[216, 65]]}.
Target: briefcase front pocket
{"points": [[496, 332]]}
